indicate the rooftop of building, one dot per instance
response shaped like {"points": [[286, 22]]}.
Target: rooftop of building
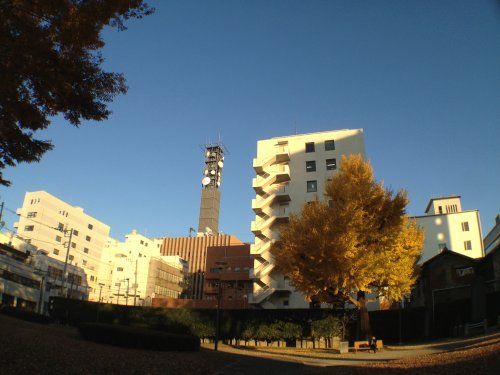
{"points": [[440, 199], [321, 132]]}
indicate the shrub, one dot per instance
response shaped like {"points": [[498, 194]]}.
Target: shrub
{"points": [[138, 337], [29, 316]]}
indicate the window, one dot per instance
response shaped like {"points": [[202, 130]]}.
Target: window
{"points": [[73, 245], [310, 166], [75, 232], [119, 269], [31, 214], [29, 228], [88, 238], [84, 262], [90, 226], [467, 245], [310, 147], [146, 244], [331, 164], [60, 226], [92, 278], [55, 252], [442, 246], [465, 226], [86, 250], [330, 145], [58, 238], [142, 242], [286, 302], [440, 209], [71, 257], [312, 186]]}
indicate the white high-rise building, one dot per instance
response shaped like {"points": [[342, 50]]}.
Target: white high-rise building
{"points": [[291, 171], [447, 225], [46, 222]]}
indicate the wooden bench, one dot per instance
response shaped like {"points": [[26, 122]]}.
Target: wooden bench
{"points": [[364, 345]]}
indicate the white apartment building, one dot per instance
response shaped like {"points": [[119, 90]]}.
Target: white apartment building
{"points": [[136, 271], [291, 171], [447, 225], [47, 222]]}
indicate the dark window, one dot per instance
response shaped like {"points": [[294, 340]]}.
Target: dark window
{"points": [[119, 269], [71, 257], [440, 208], [330, 145], [88, 238], [91, 226], [29, 228], [86, 250], [75, 232], [58, 238], [73, 245], [56, 252], [31, 214], [60, 227], [310, 166], [312, 186], [310, 147], [142, 242], [331, 164], [467, 245], [465, 226]]}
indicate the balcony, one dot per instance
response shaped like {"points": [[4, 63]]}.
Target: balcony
{"points": [[277, 175], [280, 195], [280, 155]]}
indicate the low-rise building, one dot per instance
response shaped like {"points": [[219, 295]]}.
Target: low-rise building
{"points": [[136, 271], [446, 225], [230, 266], [492, 239]]}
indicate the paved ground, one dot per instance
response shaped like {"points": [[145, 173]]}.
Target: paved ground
{"points": [[28, 348]]}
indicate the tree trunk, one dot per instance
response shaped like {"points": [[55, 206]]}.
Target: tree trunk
{"points": [[364, 318]]}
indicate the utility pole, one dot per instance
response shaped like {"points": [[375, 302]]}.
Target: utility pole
{"points": [[126, 298], [40, 296], [118, 299], [135, 283], [100, 291], [65, 277]]}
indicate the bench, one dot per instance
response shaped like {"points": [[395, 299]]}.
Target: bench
{"points": [[364, 345], [472, 326]]}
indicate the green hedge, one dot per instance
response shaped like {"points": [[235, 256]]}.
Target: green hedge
{"points": [[138, 337], [29, 316]]}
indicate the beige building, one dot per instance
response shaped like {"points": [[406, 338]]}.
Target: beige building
{"points": [[50, 224], [136, 271], [291, 171], [447, 225]]}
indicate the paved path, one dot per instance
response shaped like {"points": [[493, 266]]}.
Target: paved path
{"points": [[309, 362]]}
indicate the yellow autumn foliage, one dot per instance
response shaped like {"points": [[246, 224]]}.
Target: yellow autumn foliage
{"points": [[357, 238]]}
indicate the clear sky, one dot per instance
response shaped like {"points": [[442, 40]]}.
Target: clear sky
{"points": [[421, 77]]}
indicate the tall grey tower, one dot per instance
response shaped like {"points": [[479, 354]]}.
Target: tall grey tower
{"points": [[210, 194]]}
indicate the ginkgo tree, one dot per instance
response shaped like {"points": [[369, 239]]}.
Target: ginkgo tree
{"points": [[355, 241]]}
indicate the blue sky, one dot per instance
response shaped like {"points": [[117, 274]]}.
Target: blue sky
{"points": [[421, 77]]}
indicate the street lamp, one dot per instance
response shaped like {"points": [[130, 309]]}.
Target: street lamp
{"points": [[221, 265]]}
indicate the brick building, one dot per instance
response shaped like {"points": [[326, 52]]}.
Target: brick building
{"points": [[236, 284]]}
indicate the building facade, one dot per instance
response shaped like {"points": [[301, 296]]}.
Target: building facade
{"points": [[51, 224], [492, 239], [291, 171], [194, 251], [236, 285], [136, 272], [446, 225]]}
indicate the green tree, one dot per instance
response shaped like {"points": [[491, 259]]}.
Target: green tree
{"points": [[326, 328], [358, 239], [50, 64]]}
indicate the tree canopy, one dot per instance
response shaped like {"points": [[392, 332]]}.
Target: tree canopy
{"points": [[50, 64], [357, 239]]}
